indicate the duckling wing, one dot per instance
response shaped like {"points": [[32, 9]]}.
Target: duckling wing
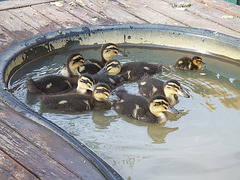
{"points": [[183, 63], [112, 80], [130, 105], [89, 68], [149, 87], [136, 70], [67, 102], [49, 84]]}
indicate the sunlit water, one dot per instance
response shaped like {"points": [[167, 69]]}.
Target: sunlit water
{"points": [[202, 142]]}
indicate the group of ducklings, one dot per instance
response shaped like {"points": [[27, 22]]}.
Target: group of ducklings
{"points": [[86, 85]]}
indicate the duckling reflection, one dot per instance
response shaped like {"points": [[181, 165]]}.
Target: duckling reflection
{"points": [[101, 120], [158, 132]]}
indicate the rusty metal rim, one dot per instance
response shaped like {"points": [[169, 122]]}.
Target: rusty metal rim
{"points": [[8, 56]]}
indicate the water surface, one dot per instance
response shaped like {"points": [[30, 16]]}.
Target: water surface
{"points": [[201, 142]]}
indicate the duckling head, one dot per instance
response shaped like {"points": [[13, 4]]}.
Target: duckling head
{"points": [[85, 83], [197, 61], [158, 105], [73, 62], [109, 50], [101, 92], [172, 87], [112, 67]]}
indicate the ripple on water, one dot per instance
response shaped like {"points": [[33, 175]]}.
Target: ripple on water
{"points": [[200, 142]]}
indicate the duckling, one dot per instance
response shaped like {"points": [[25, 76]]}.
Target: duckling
{"points": [[134, 71], [57, 83], [84, 85], [150, 87], [139, 108], [79, 102], [92, 66], [50, 84], [112, 68], [73, 62], [187, 63]]}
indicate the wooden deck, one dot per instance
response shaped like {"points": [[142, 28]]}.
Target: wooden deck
{"points": [[26, 151]]}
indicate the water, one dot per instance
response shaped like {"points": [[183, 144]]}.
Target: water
{"points": [[202, 142]]}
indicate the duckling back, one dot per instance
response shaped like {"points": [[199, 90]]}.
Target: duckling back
{"points": [[50, 84], [149, 87], [67, 102], [133, 71]]}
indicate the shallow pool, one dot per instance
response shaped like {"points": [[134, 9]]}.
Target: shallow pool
{"points": [[201, 142]]}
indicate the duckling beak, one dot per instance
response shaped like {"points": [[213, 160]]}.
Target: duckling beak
{"points": [[183, 93], [103, 70], [172, 109], [121, 53]]}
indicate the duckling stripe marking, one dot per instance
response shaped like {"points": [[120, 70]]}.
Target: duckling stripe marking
{"points": [[135, 111], [97, 65], [62, 102], [49, 86], [69, 84], [147, 68], [88, 105], [174, 85]]}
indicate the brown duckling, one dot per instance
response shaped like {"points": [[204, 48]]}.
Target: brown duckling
{"points": [[134, 71], [73, 62], [110, 74], [187, 63], [85, 84], [108, 50], [139, 108], [56, 83], [150, 87], [79, 102]]}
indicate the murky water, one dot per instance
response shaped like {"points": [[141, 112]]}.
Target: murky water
{"points": [[202, 142]]}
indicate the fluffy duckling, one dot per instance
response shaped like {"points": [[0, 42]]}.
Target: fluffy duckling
{"points": [[187, 63], [56, 83], [50, 84], [142, 110], [150, 87], [84, 85], [134, 71], [109, 74], [92, 66], [73, 62], [79, 102]]}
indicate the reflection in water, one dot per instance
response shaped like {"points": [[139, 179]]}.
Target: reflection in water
{"points": [[191, 144], [209, 86], [158, 132]]}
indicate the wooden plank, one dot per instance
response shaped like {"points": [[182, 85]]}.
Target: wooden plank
{"points": [[16, 28], [13, 4], [50, 143], [212, 14], [32, 158], [35, 19], [144, 12], [10, 169], [59, 15], [188, 18], [5, 40], [86, 14], [113, 12], [225, 6]]}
